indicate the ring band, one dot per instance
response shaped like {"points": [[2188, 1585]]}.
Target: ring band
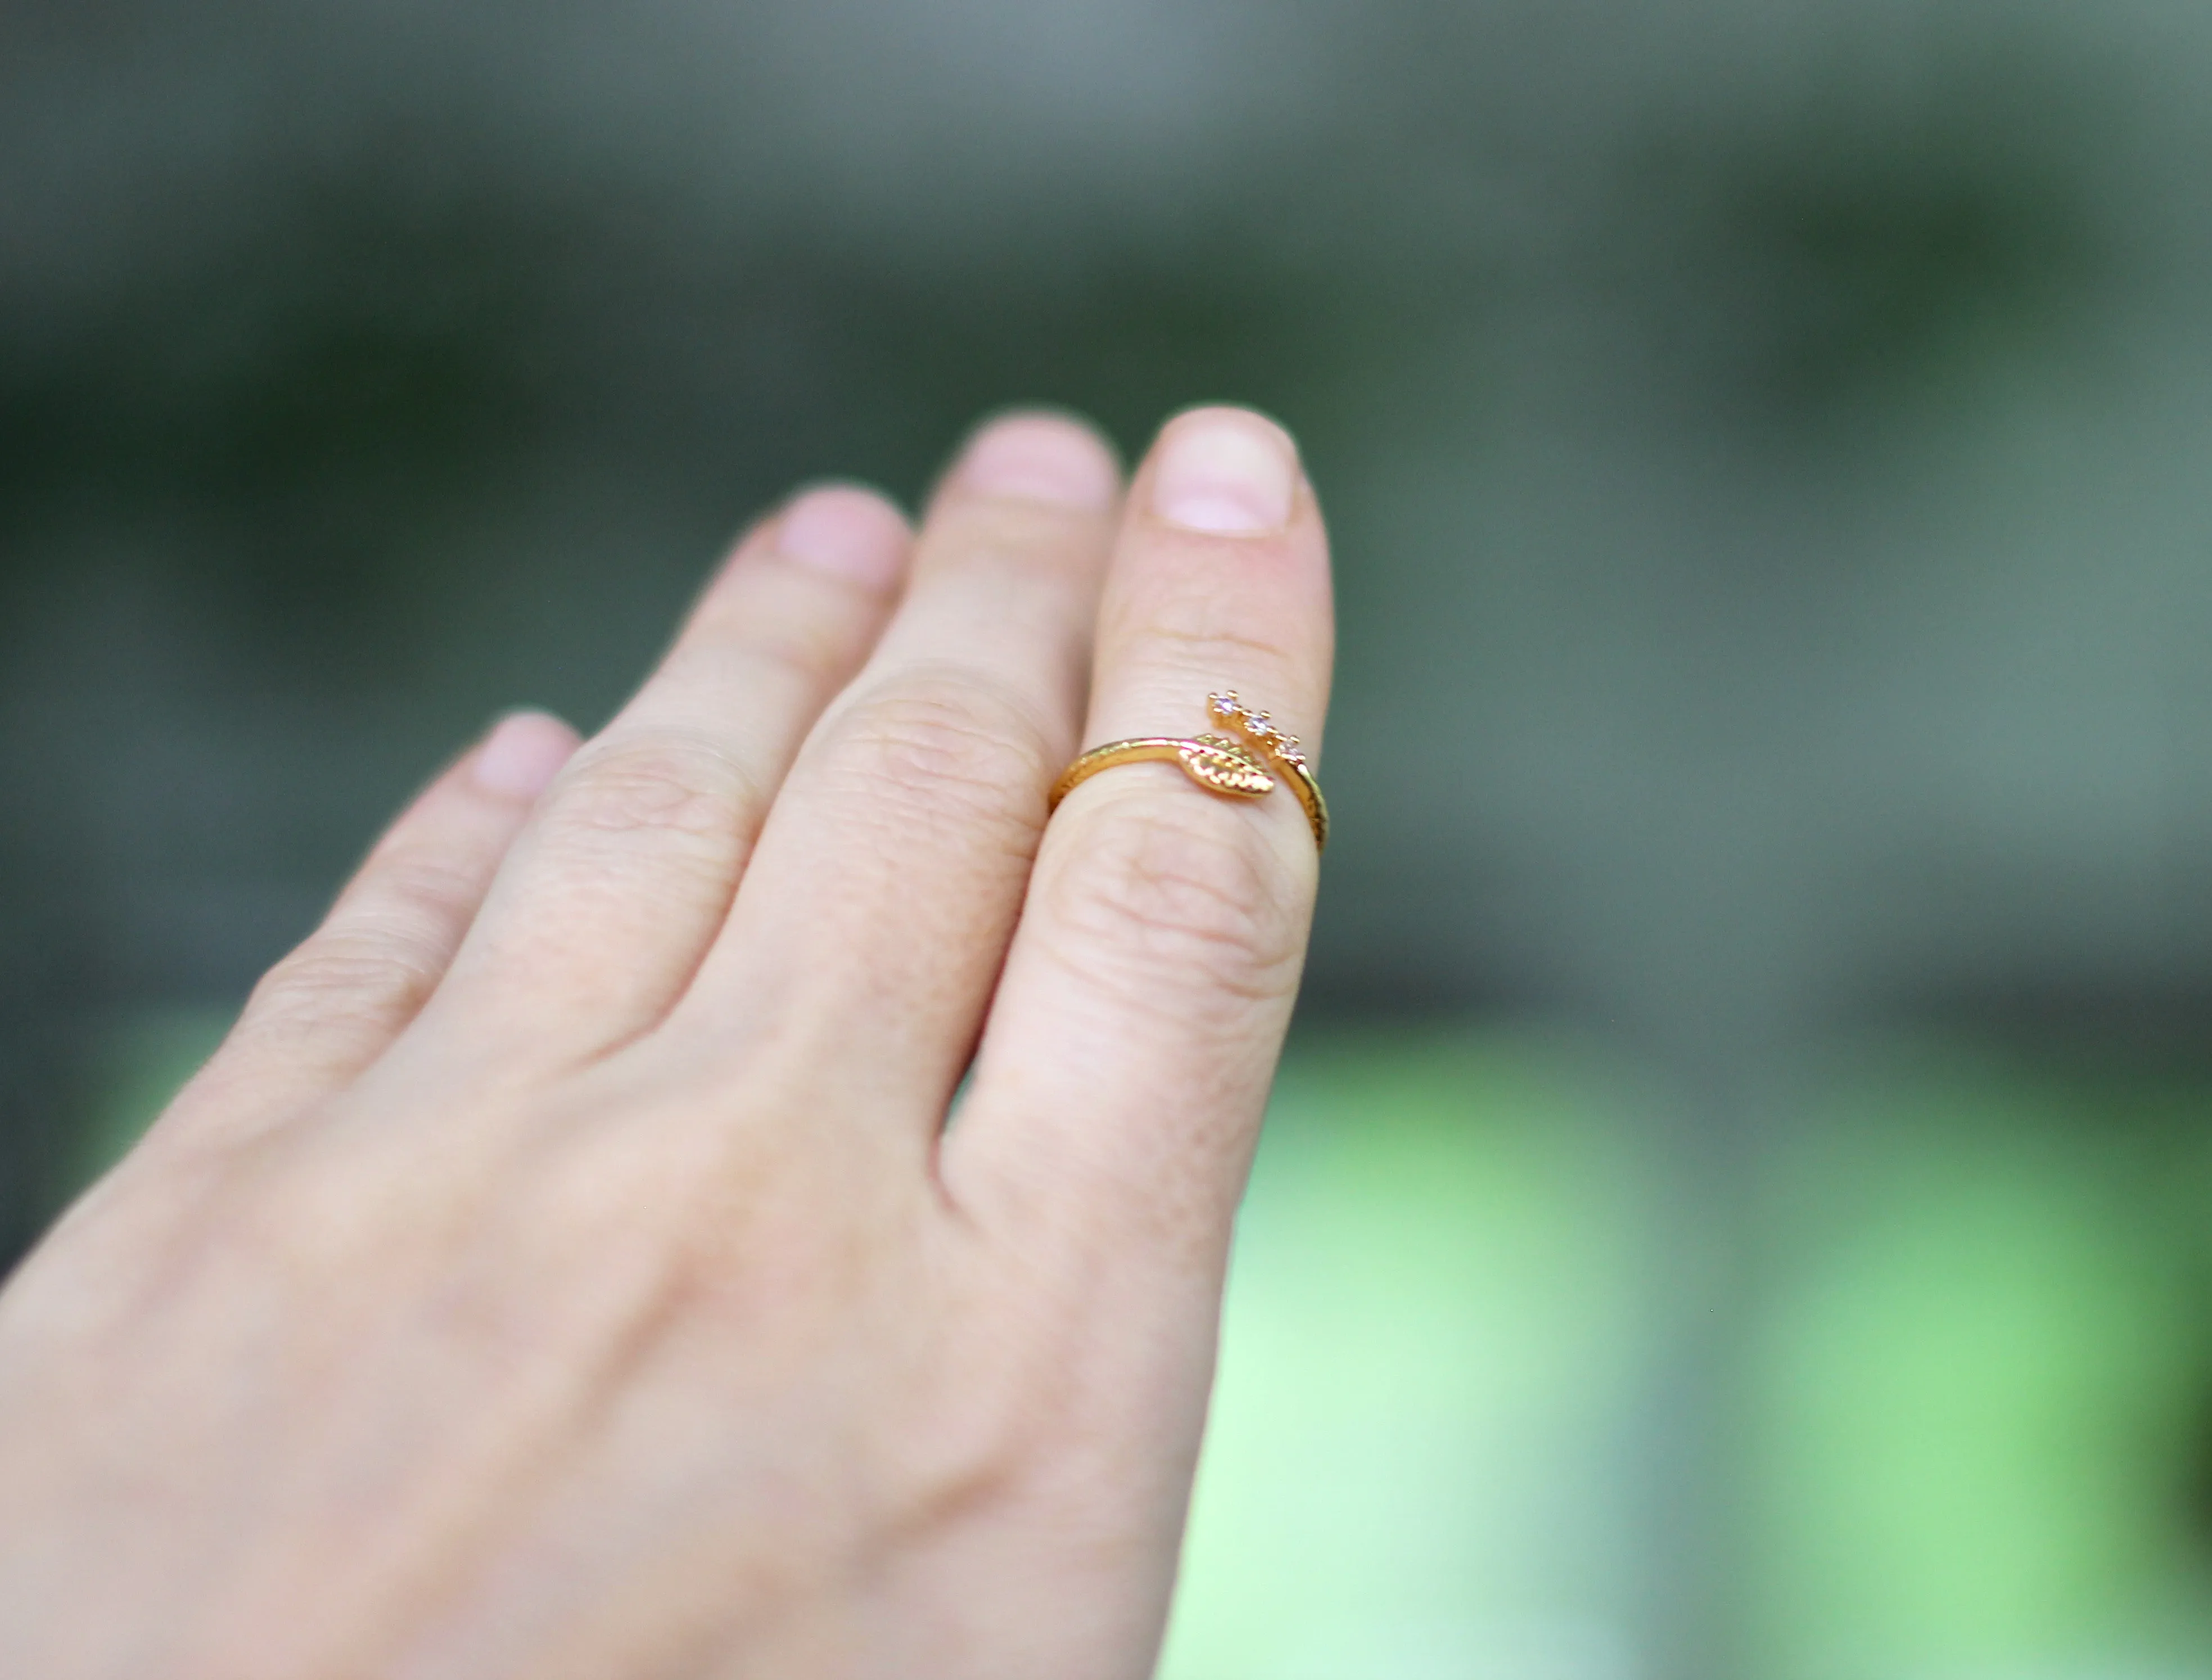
{"points": [[1245, 769]]}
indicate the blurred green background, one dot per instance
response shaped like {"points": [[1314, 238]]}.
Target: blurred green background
{"points": [[1740, 1203]]}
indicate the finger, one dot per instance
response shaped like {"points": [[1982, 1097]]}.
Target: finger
{"points": [[1122, 1078], [332, 1006], [864, 940], [624, 875]]}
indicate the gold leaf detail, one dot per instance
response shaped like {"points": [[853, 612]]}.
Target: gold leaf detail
{"points": [[1215, 761]]}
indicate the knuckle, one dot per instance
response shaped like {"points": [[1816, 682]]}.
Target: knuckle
{"points": [[1187, 892], [382, 951], [659, 783], [434, 883], [341, 975], [936, 741], [1215, 646]]}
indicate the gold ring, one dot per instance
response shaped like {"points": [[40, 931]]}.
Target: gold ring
{"points": [[1221, 764]]}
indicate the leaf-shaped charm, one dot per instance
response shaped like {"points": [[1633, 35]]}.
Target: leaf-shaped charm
{"points": [[1228, 767]]}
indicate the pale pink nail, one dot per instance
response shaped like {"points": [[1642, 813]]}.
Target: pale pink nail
{"points": [[842, 529], [1225, 472], [523, 752], [1040, 458]]}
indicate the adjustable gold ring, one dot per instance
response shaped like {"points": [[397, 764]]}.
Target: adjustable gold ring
{"points": [[1221, 764]]}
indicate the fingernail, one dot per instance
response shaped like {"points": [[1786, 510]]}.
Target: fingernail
{"points": [[1224, 472], [523, 752], [841, 529], [1040, 458]]}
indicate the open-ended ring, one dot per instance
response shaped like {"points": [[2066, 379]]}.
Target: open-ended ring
{"points": [[1245, 769]]}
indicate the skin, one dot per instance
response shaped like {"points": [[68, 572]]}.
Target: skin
{"points": [[566, 1269]]}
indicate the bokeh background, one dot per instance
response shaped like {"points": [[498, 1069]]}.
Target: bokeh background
{"points": [[1739, 1206]]}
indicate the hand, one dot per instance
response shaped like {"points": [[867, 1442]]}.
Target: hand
{"points": [[565, 1268]]}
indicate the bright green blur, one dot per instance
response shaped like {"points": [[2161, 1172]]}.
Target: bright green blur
{"points": [[1977, 1380]]}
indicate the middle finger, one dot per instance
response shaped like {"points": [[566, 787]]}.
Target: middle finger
{"points": [[866, 935]]}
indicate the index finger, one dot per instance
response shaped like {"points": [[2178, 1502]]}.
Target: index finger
{"points": [[1121, 1077]]}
